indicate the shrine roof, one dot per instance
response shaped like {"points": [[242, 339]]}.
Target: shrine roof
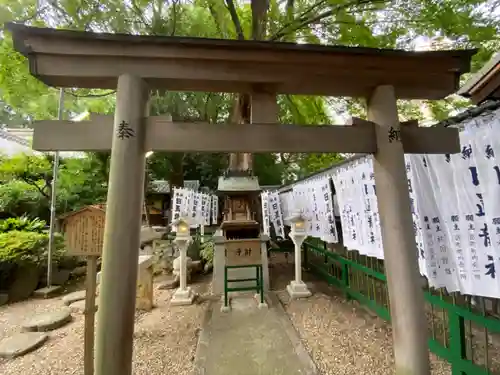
{"points": [[68, 58], [238, 184], [485, 84]]}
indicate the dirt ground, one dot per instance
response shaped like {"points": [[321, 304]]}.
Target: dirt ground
{"points": [[340, 336], [165, 338]]}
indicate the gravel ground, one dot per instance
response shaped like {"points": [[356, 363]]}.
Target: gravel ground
{"points": [[341, 337], [165, 338]]}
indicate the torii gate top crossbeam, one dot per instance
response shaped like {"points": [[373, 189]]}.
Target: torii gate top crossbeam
{"points": [[66, 58]]}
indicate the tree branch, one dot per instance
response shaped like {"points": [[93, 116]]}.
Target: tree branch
{"points": [[216, 22], [140, 14], [236, 20], [290, 4], [90, 95], [305, 22], [174, 17], [301, 16], [33, 183]]}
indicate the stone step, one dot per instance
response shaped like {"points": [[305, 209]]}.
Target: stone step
{"points": [[21, 344], [47, 321], [79, 306], [68, 299]]}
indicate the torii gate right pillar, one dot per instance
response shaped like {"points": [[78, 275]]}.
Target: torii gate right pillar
{"points": [[409, 326]]}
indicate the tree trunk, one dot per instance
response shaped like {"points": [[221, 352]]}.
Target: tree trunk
{"points": [[177, 175]]}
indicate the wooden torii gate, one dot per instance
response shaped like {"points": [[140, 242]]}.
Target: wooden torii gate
{"points": [[136, 64]]}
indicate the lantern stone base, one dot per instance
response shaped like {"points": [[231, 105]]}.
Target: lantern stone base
{"points": [[183, 297], [298, 290]]}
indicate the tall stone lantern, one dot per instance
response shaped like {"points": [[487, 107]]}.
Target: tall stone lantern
{"points": [[184, 294], [297, 288]]}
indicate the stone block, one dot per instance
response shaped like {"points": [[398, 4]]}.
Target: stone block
{"points": [[47, 292], [144, 293], [183, 297], [24, 284], [59, 277], [298, 290]]}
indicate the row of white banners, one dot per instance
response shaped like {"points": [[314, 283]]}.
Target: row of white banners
{"points": [[455, 202], [199, 208]]}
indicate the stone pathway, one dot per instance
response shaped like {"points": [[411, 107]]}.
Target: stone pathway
{"points": [[250, 341], [21, 344], [48, 321], [68, 299], [32, 336]]}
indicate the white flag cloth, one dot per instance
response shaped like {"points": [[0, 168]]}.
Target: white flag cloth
{"points": [[455, 206], [264, 196]]}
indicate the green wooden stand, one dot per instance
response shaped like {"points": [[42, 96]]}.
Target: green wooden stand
{"points": [[259, 282]]}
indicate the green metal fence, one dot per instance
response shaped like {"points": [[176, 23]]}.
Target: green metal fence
{"points": [[464, 332]]}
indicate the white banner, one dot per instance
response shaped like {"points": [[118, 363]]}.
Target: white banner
{"points": [[195, 212], [264, 196], [455, 205], [205, 209], [275, 214], [215, 209], [196, 207], [287, 205], [326, 216]]}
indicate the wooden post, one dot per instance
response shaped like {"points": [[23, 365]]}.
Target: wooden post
{"points": [[90, 308], [115, 325], [409, 326]]}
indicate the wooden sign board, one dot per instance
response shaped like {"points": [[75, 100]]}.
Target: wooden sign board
{"points": [[84, 232], [243, 252]]}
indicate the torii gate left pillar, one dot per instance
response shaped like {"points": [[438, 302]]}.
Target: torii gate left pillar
{"points": [[122, 230]]}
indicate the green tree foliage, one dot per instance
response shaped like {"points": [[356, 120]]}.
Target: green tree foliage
{"points": [[18, 198], [25, 185], [33, 170], [442, 24], [23, 223], [22, 248]]}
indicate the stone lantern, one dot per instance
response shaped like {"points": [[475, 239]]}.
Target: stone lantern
{"points": [[297, 288], [183, 295]]}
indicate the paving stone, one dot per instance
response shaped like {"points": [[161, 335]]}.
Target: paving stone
{"points": [[47, 321], [79, 306], [68, 299], [21, 344], [244, 339], [47, 292], [169, 284]]}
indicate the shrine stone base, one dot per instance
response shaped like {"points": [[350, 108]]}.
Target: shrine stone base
{"points": [[298, 290], [183, 297], [237, 273]]}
